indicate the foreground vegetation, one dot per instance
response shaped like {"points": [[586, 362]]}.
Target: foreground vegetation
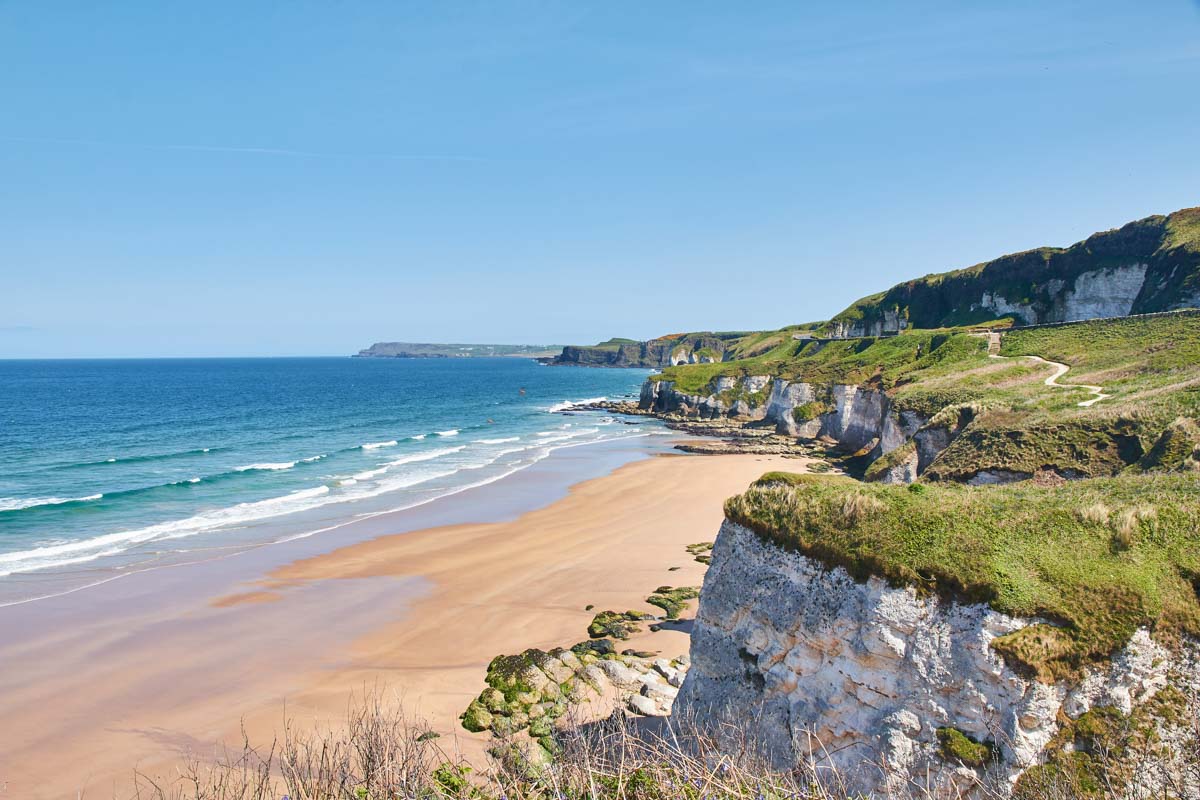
{"points": [[379, 754], [1098, 558]]}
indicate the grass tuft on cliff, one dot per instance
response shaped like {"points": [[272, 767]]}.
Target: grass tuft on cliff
{"points": [[1025, 550]]}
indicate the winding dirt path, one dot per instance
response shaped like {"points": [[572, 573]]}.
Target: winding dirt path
{"points": [[1060, 369]]}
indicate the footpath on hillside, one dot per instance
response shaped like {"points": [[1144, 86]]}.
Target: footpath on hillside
{"points": [[1060, 369]]}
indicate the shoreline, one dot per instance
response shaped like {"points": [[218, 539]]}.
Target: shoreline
{"points": [[420, 613]]}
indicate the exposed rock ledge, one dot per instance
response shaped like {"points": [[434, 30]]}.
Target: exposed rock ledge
{"points": [[857, 420], [860, 677]]}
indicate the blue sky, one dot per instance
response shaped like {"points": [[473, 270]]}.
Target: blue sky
{"points": [[286, 178]]}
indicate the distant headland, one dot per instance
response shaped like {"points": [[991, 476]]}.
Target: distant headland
{"points": [[419, 350]]}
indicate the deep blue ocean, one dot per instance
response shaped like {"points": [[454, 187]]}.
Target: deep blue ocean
{"points": [[110, 466]]}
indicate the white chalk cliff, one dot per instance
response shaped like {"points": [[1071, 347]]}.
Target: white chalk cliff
{"points": [[860, 676]]}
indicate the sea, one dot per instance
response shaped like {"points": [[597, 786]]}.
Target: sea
{"points": [[112, 467]]}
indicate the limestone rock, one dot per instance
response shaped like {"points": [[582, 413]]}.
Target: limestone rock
{"points": [[866, 673]]}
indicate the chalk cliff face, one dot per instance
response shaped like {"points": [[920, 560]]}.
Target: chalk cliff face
{"points": [[861, 676], [1145, 266], [858, 419], [1097, 293]]}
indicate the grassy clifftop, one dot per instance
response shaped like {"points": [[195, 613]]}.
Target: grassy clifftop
{"points": [[1150, 367], [1097, 558], [885, 362], [1169, 246]]}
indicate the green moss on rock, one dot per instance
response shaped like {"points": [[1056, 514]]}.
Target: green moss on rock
{"points": [[673, 600], [1177, 448], [700, 551], [808, 411], [617, 624], [958, 746]]}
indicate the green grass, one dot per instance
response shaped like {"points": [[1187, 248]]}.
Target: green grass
{"points": [[884, 361], [614, 343], [1097, 558], [1150, 366]]}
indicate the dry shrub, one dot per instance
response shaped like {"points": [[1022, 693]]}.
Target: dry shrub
{"points": [[378, 754], [1127, 524], [857, 507], [1096, 513]]}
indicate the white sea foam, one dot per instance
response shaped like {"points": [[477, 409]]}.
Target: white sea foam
{"points": [[498, 441], [266, 466], [368, 474], [311, 459], [426, 456], [377, 445], [111, 543], [451, 432], [567, 405], [18, 503], [418, 437], [549, 437], [238, 516]]}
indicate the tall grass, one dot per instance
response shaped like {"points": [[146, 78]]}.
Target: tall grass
{"points": [[380, 754]]}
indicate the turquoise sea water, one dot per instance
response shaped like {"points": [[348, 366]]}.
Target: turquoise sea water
{"points": [[115, 466]]}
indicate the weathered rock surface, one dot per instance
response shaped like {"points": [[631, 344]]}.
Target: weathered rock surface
{"points": [[531, 690], [861, 676], [1143, 267]]}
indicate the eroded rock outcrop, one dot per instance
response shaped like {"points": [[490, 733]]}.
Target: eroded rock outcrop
{"points": [[1143, 267], [860, 420], [878, 682]]}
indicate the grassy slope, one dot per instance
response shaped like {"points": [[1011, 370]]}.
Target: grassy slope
{"points": [[1150, 366], [1169, 245], [884, 362], [1100, 557]]}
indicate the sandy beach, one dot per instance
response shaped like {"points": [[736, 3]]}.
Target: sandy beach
{"points": [[416, 614]]}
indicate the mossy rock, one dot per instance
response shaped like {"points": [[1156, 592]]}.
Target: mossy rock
{"points": [[673, 600], [596, 648], [701, 551], [1177, 448], [476, 718], [1103, 749], [956, 746], [806, 412], [616, 624], [520, 688], [1069, 775]]}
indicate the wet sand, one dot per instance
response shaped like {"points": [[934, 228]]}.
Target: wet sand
{"points": [[417, 615]]}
